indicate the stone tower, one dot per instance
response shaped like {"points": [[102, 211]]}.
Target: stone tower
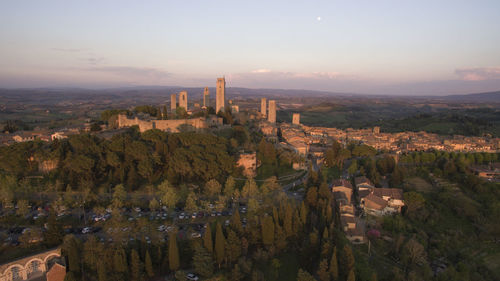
{"points": [[173, 102], [220, 98], [272, 111], [296, 119], [183, 100], [263, 107], [206, 97]]}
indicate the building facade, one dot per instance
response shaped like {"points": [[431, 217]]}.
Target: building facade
{"points": [[296, 119]]}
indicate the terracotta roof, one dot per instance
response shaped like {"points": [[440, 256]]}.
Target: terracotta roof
{"points": [[374, 202], [56, 273], [394, 193], [364, 192], [361, 180], [342, 182]]}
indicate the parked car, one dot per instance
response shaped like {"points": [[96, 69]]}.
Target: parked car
{"points": [[192, 277]]}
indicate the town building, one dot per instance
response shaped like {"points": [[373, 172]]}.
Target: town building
{"points": [[249, 163], [296, 119], [48, 265]]}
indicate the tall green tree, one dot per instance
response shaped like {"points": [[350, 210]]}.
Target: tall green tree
{"points": [[348, 261], [267, 228], [208, 242], [322, 272], [233, 246], [203, 262], [220, 242], [168, 194], [229, 186], [119, 196], [55, 233], [135, 266], [173, 253], [148, 265], [120, 260], [212, 188], [71, 249], [236, 221], [334, 266], [303, 275]]}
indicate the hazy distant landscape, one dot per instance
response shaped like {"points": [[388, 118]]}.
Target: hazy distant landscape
{"points": [[473, 114]]}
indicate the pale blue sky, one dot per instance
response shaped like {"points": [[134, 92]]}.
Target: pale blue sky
{"points": [[365, 46]]}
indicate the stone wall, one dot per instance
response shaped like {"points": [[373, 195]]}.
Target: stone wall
{"points": [[172, 126]]}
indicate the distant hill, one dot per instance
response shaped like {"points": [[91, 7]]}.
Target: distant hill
{"points": [[479, 97]]}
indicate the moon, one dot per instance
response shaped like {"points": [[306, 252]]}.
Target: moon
{"points": [[318, 18]]}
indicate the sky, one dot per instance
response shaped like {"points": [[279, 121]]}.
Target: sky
{"points": [[396, 47]]}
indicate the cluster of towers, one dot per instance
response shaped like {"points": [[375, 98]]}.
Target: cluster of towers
{"points": [[267, 108], [220, 98], [270, 112]]}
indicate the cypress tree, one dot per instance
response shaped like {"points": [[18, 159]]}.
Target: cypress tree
{"points": [[233, 246], [135, 266], [287, 221], [120, 260], [236, 222], [267, 231], [220, 242], [164, 115], [148, 265], [203, 262], [72, 251], [349, 257], [173, 253], [322, 272], [70, 276], [351, 276], [303, 213], [334, 267], [207, 240], [101, 272]]}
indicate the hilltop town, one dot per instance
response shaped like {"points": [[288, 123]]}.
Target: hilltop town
{"points": [[160, 177]]}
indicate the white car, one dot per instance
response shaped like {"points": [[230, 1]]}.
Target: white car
{"points": [[192, 277], [195, 235], [86, 230]]}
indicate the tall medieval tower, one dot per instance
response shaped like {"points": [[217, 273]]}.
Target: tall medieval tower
{"points": [[183, 100], [206, 97], [272, 112], [173, 102], [220, 98], [263, 107]]}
